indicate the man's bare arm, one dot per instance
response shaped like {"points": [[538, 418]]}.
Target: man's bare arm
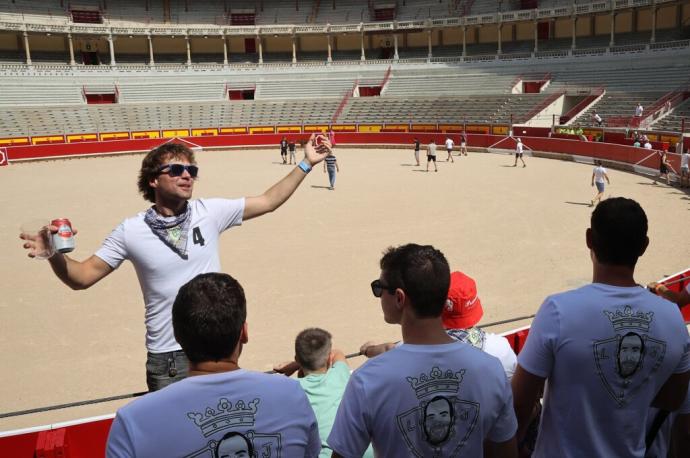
{"points": [[507, 449], [527, 389], [79, 275], [280, 192], [673, 392]]}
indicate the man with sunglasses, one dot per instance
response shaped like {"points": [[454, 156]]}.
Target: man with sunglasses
{"points": [[432, 395], [172, 242]]}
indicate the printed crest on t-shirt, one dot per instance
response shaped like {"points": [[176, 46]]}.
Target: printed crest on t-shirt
{"points": [[628, 359], [441, 423], [231, 429]]}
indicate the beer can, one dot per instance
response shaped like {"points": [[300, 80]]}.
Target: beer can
{"points": [[63, 239]]}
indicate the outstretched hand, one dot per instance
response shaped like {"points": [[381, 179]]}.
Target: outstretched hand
{"points": [[40, 243], [316, 149]]}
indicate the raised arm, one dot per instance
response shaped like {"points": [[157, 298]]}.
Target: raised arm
{"points": [[280, 192]]}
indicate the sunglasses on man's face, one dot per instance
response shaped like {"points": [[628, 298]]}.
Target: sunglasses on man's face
{"points": [[377, 288], [176, 170]]}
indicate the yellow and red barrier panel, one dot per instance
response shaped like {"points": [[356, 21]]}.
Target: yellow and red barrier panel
{"points": [[17, 141], [289, 129], [318, 128], [106, 136], [82, 138], [423, 128], [43, 139], [395, 128], [146, 134], [368, 128], [204, 132], [232, 130], [261, 130], [172, 133], [344, 128]]}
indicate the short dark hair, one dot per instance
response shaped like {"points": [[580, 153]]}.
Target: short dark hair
{"points": [[208, 314], [422, 272], [312, 348], [152, 162], [618, 232]]}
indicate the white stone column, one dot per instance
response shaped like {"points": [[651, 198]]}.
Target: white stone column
{"points": [[613, 29], [330, 48], [111, 45], [499, 29], [189, 50], [536, 36], [464, 41], [572, 45], [151, 62], [395, 46], [294, 50], [27, 49], [225, 50], [653, 38], [71, 49], [261, 49], [428, 42], [361, 41]]}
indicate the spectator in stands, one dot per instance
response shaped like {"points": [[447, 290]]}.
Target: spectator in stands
{"points": [[684, 168], [639, 110], [463, 144], [460, 316], [647, 143], [663, 167], [284, 149], [209, 319], [414, 400], [330, 164], [292, 147], [172, 242], [449, 148], [598, 176], [431, 155], [323, 373], [416, 151], [519, 147], [596, 405], [597, 118]]}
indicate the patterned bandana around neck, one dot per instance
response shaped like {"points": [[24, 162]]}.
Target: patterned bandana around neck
{"points": [[172, 230]]}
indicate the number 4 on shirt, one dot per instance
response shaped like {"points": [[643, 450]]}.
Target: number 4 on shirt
{"points": [[197, 238]]}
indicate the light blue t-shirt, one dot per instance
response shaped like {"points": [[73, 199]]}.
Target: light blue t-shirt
{"points": [[605, 351]]}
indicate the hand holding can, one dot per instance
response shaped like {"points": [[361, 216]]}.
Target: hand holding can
{"points": [[62, 235], [38, 238]]}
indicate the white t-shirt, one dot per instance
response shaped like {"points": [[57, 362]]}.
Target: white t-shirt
{"points": [[648, 145], [449, 143], [431, 149], [495, 345], [639, 110], [597, 118], [684, 160], [605, 352], [518, 148], [161, 271], [425, 400], [190, 418], [599, 173]]}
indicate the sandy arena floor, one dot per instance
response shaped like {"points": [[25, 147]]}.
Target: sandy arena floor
{"points": [[518, 232]]}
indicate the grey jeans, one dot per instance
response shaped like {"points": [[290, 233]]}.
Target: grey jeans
{"points": [[163, 369]]}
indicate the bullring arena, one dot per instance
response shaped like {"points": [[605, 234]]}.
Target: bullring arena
{"points": [[86, 90]]}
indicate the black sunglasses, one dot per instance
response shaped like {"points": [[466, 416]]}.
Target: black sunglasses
{"points": [[377, 288], [176, 170]]}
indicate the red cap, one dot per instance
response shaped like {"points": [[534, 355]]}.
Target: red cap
{"points": [[463, 308]]}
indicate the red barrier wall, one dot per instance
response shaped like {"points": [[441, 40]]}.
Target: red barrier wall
{"points": [[607, 151]]}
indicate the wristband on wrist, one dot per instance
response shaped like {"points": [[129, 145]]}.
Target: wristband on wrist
{"points": [[304, 166]]}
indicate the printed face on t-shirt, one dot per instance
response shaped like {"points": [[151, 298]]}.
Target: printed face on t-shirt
{"points": [[629, 354], [234, 447], [438, 418]]}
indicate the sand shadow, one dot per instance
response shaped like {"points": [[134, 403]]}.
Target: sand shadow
{"points": [[408, 165], [279, 163], [320, 187], [586, 204], [647, 184], [422, 170], [509, 166]]}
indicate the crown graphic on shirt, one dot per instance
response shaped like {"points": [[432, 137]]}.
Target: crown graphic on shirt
{"points": [[627, 319], [436, 381], [225, 416]]}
